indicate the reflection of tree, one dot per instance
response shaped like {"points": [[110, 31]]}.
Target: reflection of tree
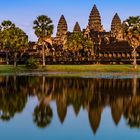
{"points": [[12, 100], [42, 115], [10, 105], [132, 113], [93, 95]]}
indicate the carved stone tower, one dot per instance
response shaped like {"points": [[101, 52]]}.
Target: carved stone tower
{"points": [[62, 27], [117, 28], [77, 28], [62, 30], [95, 20]]}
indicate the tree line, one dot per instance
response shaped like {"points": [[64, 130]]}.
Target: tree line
{"points": [[14, 39]]}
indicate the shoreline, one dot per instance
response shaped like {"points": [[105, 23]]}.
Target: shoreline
{"points": [[85, 71], [103, 75]]}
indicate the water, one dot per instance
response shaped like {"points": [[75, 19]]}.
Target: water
{"points": [[39, 108]]}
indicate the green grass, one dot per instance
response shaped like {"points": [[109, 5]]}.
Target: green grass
{"points": [[70, 68], [92, 68]]}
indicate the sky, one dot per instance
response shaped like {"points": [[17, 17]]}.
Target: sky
{"points": [[24, 12]]}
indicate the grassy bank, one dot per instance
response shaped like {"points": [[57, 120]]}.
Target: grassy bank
{"points": [[92, 68], [70, 68]]}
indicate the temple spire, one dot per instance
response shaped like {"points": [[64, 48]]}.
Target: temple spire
{"points": [[77, 28], [62, 27], [62, 30], [116, 22], [116, 27], [95, 20]]}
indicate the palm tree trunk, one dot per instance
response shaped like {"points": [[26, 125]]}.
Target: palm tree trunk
{"points": [[43, 55], [135, 58], [43, 85], [7, 59], [15, 59]]}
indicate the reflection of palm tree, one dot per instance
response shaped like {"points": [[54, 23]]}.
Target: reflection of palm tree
{"points": [[43, 115], [134, 85], [5, 116]]}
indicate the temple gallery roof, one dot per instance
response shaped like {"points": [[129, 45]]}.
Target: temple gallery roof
{"points": [[120, 46]]}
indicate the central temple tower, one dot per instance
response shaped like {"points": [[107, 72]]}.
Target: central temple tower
{"points": [[95, 20]]}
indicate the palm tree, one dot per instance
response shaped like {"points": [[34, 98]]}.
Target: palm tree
{"points": [[13, 38], [43, 29], [6, 24], [132, 32]]}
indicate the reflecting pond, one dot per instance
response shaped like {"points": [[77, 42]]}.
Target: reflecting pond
{"points": [[41, 107]]}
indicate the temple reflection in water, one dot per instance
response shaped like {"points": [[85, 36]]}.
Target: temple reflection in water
{"points": [[92, 95]]}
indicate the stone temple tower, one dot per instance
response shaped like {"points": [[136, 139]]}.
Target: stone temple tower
{"points": [[117, 28], [77, 28], [95, 20], [62, 27], [62, 30]]}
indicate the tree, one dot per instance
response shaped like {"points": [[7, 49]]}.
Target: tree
{"points": [[43, 29], [5, 26], [132, 32], [13, 38], [76, 42]]}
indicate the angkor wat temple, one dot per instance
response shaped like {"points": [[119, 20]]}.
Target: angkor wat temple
{"points": [[109, 47]]}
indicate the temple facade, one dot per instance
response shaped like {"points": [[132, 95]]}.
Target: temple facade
{"points": [[109, 47]]}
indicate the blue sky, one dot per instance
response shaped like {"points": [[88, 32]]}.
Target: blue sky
{"points": [[23, 12]]}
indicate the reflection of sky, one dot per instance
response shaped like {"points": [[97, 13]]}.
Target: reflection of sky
{"points": [[74, 128], [23, 12]]}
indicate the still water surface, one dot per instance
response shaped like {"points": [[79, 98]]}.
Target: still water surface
{"points": [[41, 107]]}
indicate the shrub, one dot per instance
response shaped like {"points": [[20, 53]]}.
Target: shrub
{"points": [[32, 63]]}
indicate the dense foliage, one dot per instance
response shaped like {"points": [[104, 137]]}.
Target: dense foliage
{"points": [[13, 38], [132, 33]]}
